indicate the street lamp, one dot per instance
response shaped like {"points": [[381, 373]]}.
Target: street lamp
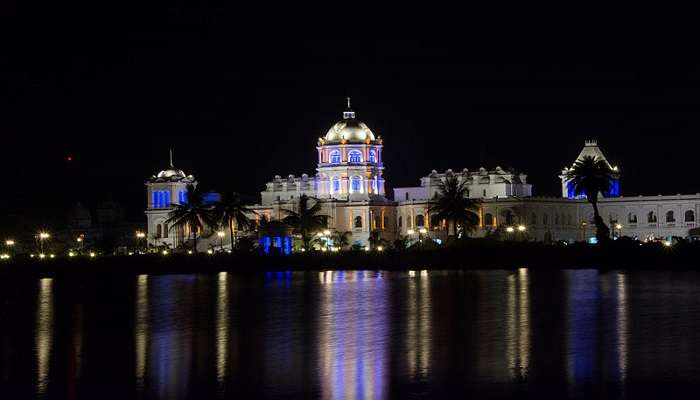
{"points": [[140, 235], [43, 236], [521, 228], [510, 229], [221, 235], [619, 230], [9, 242]]}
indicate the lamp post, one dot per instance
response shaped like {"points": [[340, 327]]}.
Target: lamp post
{"points": [[42, 236], [521, 231], [140, 235], [421, 232], [80, 240], [9, 243], [221, 235], [583, 226], [617, 226]]}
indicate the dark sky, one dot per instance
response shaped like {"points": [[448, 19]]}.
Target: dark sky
{"points": [[116, 93]]}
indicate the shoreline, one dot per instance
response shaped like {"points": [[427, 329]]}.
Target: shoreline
{"points": [[470, 256]]}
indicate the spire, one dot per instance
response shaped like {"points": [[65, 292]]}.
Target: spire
{"points": [[171, 159], [348, 113]]}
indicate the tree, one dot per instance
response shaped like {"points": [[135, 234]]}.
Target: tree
{"points": [[306, 220], [193, 214], [375, 240], [453, 205], [230, 210], [591, 176], [341, 239]]}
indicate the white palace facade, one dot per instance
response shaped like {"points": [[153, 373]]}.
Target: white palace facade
{"points": [[350, 187]]}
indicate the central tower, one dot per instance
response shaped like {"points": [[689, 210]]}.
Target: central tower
{"points": [[350, 161]]}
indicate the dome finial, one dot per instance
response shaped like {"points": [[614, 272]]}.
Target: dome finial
{"points": [[171, 158], [348, 113]]}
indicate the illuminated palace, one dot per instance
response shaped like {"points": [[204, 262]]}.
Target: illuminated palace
{"points": [[350, 187]]}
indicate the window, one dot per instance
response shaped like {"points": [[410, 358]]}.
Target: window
{"points": [[336, 184], [420, 220], [159, 230], [400, 221], [358, 222], [385, 222], [670, 217], [488, 219], [155, 199], [165, 230], [545, 219], [335, 157], [406, 196], [166, 196], [484, 192], [651, 217], [356, 184], [374, 185], [354, 156], [533, 219], [372, 156], [632, 218], [690, 216], [182, 197]]}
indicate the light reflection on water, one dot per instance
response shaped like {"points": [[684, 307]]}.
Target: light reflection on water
{"points": [[351, 334], [44, 334]]}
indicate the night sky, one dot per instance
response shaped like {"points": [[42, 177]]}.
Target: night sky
{"points": [[115, 95]]}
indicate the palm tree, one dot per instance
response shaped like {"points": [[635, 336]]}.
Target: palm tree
{"points": [[453, 205], [230, 210], [194, 214], [591, 176], [340, 239], [306, 220]]}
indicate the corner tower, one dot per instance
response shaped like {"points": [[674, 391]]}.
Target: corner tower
{"points": [[163, 190], [350, 161]]}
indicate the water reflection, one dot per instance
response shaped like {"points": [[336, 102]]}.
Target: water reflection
{"points": [[44, 333], [222, 328], [518, 324], [170, 346], [583, 297], [418, 324], [141, 329], [622, 324], [353, 335]]}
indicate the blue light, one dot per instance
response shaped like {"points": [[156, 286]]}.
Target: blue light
{"points": [[355, 156], [356, 183], [335, 157]]}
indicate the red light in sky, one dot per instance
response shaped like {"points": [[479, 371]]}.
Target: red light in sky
{"points": [[69, 158]]}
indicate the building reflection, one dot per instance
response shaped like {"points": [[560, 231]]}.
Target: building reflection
{"points": [[141, 330], [170, 341], [44, 333], [418, 325], [518, 324], [222, 329], [353, 335], [622, 325], [616, 328], [583, 299]]}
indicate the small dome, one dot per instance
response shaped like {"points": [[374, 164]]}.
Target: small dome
{"points": [[169, 173]]}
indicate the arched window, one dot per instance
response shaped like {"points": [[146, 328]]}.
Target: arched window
{"points": [[335, 157], [651, 217], [165, 230], [632, 218], [545, 219], [385, 222], [356, 184], [420, 220], [358, 222], [690, 216], [508, 217], [354, 156], [488, 219], [159, 230], [400, 221], [670, 216], [336, 184], [372, 156], [556, 219]]}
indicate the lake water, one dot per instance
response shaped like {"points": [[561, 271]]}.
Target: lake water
{"points": [[353, 334]]}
